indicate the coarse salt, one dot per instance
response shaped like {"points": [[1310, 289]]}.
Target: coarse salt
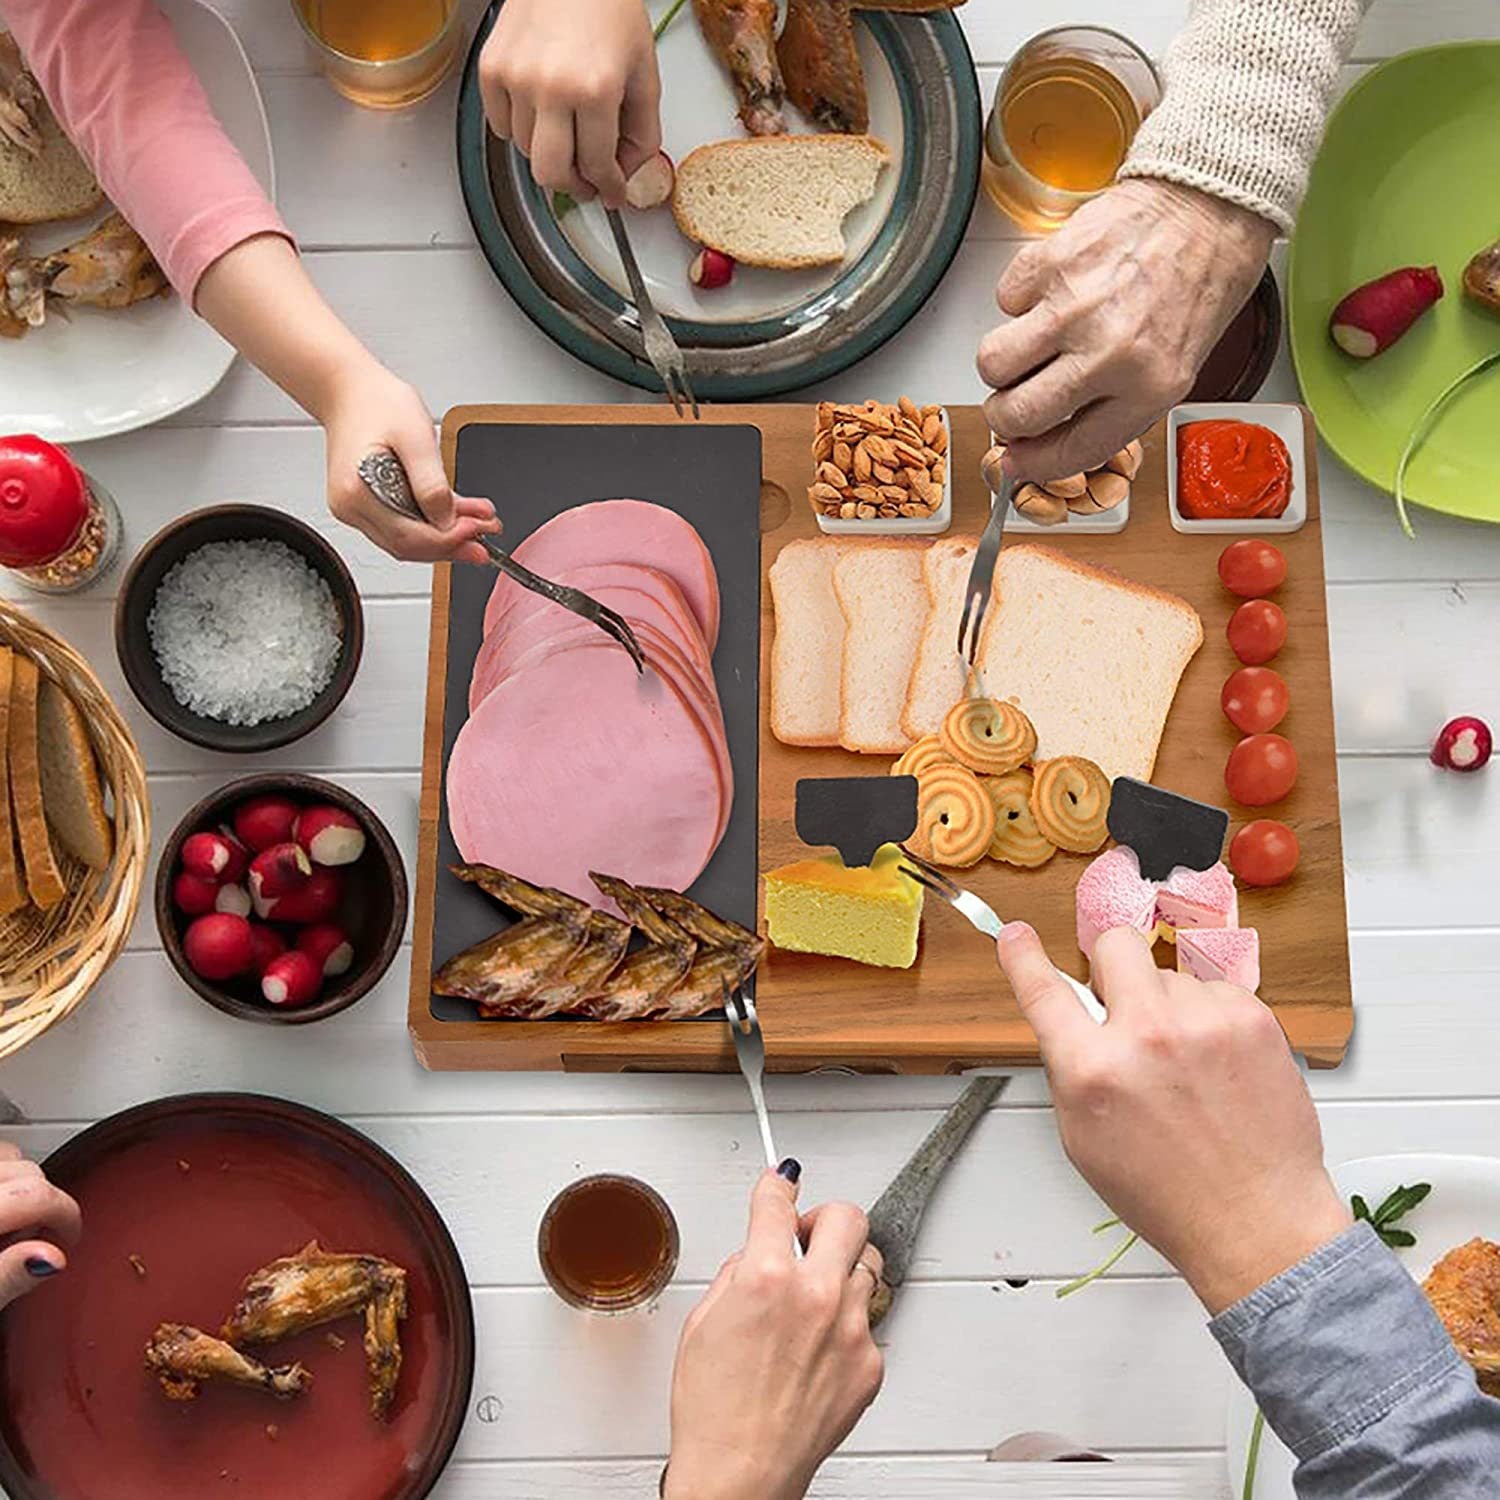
{"points": [[245, 631]]}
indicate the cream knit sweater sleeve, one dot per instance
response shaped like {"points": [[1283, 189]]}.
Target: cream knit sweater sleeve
{"points": [[1248, 86]]}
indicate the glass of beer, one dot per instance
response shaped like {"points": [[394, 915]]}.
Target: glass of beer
{"points": [[608, 1244], [1067, 108], [383, 53]]}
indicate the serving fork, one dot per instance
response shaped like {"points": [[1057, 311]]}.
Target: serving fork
{"points": [[661, 348], [386, 478], [982, 571], [981, 915]]}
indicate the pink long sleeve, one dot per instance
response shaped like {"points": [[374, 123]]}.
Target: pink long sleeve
{"points": [[124, 93]]}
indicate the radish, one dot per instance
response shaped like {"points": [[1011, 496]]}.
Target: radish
{"points": [[239, 856], [651, 184], [291, 978], [1463, 744], [277, 871], [193, 894], [207, 855], [711, 269], [265, 944], [1373, 316], [264, 821], [234, 899], [218, 946], [315, 900], [328, 945], [330, 835]]}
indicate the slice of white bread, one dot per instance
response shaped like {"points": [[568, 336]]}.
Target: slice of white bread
{"points": [[937, 678], [776, 200], [808, 652], [12, 890], [43, 881], [71, 795], [1092, 658], [880, 591], [56, 183]]}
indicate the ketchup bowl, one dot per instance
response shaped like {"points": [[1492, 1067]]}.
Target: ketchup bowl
{"points": [[1289, 423]]}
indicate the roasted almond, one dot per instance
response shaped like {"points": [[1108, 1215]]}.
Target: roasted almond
{"points": [[939, 471], [1033, 502], [866, 494], [825, 493], [868, 512], [1069, 487], [832, 474], [883, 475], [889, 511], [822, 447], [1108, 488], [909, 409], [1127, 461], [848, 510], [842, 455], [893, 493], [914, 509]]}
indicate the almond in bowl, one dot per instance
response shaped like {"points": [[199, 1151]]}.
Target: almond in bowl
{"points": [[1098, 501], [881, 470]]}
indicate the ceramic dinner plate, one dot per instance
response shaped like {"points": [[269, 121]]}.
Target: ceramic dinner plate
{"points": [[1408, 175], [100, 372], [183, 1198], [768, 331], [1465, 1201]]}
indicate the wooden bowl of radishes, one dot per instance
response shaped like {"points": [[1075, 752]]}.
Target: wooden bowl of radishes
{"points": [[281, 898]]}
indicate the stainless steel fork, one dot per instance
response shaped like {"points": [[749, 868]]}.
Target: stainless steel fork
{"points": [[982, 573], [661, 348], [981, 915]]}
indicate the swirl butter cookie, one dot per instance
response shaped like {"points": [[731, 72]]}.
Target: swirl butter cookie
{"points": [[1070, 802], [955, 817], [921, 756], [987, 736], [1017, 840]]}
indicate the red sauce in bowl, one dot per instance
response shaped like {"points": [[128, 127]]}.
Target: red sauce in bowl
{"points": [[1231, 471]]}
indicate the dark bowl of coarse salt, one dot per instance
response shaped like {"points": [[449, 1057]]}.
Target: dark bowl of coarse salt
{"points": [[239, 628]]}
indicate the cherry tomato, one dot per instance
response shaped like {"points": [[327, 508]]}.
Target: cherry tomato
{"points": [[1255, 699], [1264, 852], [1262, 769], [1257, 631], [1251, 568]]}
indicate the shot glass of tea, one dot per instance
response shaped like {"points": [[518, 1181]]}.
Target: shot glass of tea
{"points": [[1067, 108], [608, 1244], [383, 53]]}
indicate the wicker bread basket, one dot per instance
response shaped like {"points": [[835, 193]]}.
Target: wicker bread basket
{"points": [[50, 960]]}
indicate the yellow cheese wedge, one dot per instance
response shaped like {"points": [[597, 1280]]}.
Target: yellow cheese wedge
{"points": [[870, 913]]}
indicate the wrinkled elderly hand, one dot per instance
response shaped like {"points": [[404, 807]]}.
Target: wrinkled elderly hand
{"points": [[1112, 317], [776, 1364], [36, 1221], [575, 86]]}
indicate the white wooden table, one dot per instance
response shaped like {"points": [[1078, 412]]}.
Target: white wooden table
{"points": [[978, 1347]]}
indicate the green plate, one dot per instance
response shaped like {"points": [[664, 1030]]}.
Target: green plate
{"points": [[1409, 174]]}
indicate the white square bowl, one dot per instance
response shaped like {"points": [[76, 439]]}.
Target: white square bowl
{"points": [[1102, 523], [1286, 422], [929, 525]]}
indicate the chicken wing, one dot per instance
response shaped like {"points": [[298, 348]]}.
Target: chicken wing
{"points": [[11, 327], [520, 895], [383, 1314], [584, 976], [1464, 1289], [109, 267], [821, 67], [183, 1357], [702, 987], [304, 1290], [20, 99], [512, 964], [743, 33]]}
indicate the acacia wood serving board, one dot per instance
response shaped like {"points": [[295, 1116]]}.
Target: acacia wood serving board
{"points": [[953, 1010]]}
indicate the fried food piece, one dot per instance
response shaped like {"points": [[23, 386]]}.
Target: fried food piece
{"points": [[183, 1357], [11, 327], [383, 1315], [642, 986], [1464, 1289], [514, 963], [20, 99], [820, 65], [304, 1290], [584, 976], [708, 928], [520, 895], [743, 34], [1482, 277], [702, 988], [109, 267], [653, 923]]}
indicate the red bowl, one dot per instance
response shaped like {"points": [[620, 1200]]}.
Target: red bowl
{"points": [[182, 1199]]}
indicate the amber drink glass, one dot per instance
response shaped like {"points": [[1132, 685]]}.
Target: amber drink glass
{"points": [[608, 1244], [383, 53]]}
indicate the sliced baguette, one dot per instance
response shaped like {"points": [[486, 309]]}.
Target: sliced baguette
{"points": [[808, 652], [776, 200], [1093, 659], [56, 183], [880, 591], [12, 889], [71, 795], [937, 677], [43, 881]]}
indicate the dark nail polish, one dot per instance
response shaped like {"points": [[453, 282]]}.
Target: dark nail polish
{"points": [[791, 1169], [38, 1267]]}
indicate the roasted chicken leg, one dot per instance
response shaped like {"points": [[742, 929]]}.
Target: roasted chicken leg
{"points": [[183, 1357], [821, 67], [1464, 1289], [743, 34], [109, 267]]}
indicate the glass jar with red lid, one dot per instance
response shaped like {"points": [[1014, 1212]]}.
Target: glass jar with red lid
{"points": [[59, 528]]}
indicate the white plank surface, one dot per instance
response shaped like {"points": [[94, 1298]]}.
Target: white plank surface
{"points": [[569, 1407]]}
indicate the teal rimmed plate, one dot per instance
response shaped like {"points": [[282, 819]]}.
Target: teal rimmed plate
{"points": [[768, 331]]}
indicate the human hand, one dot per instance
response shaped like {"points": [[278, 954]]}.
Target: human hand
{"points": [[1113, 315], [1185, 1111], [36, 1221], [371, 408], [776, 1364], [575, 86]]}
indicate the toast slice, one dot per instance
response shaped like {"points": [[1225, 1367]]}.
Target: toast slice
{"points": [[776, 200], [939, 674], [808, 652], [42, 176], [12, 889], [884, 603], [43, 882], [1092, 658], [71, 795]]}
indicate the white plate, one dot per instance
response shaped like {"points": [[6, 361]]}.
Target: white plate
{"points": [[107, 372], [1465, 1201], [1285, 422]]}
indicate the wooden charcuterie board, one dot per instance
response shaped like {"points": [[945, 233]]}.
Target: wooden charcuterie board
{"points": [[953, 1010]]}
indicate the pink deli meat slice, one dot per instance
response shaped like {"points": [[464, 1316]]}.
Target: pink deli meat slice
{"points": [[578, 763], [619, 531]]}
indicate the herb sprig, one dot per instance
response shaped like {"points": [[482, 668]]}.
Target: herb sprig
{"points": [[1395, 1207]]}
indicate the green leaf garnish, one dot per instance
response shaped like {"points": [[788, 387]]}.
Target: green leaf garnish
{"points": [[1425, 424], [1393, 1208], [667, 19]]}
